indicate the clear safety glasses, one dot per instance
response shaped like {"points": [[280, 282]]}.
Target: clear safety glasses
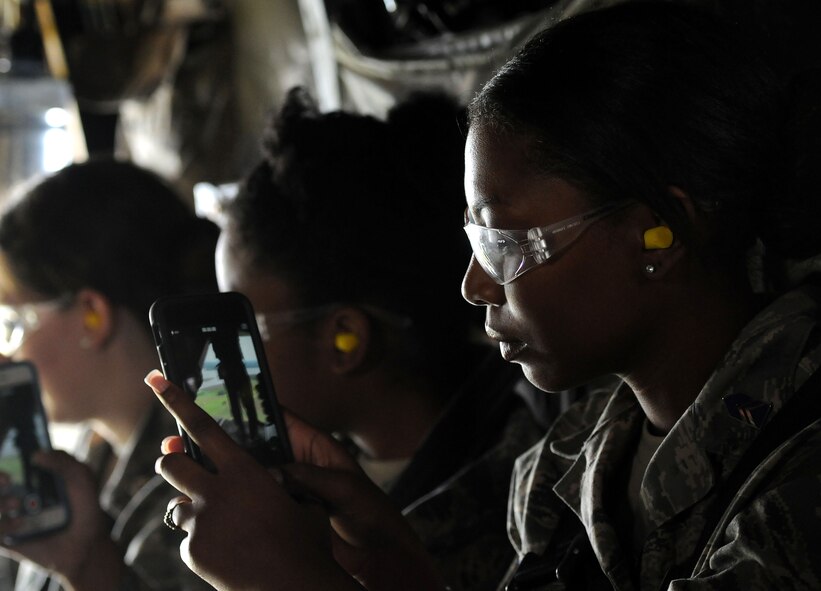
{"points": [[507, 254], [16, 322]]}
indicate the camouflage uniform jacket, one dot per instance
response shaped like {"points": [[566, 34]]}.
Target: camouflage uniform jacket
{"points": [[454, 491], [135, 498], [770, 535]]}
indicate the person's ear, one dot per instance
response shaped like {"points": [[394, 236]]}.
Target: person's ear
{"points": [[97, 317], [661, 249], [347, 336]]}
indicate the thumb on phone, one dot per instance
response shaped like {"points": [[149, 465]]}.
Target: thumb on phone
{"points": [[312, 446], [61, 463]]}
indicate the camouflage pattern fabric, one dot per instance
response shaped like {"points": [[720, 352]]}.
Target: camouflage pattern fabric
{"points": [[455, 490], [770, 535], [462, 522], [135, 498]]}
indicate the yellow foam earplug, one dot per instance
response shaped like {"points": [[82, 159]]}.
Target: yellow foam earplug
{"points": [[91, 320], [346, 341], [657, 238]]}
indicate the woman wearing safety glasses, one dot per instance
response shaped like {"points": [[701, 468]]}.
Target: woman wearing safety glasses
{"points": [[636, 206], [83, 254]]}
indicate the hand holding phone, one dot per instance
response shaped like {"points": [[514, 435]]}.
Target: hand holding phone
{"points": [[209, 345], [33, 499], [244, 533]]}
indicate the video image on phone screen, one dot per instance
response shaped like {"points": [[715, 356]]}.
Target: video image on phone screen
{"points": [[22, 432], [223, 375]]}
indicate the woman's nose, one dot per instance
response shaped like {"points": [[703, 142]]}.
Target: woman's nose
{"points": [[478, 288]]}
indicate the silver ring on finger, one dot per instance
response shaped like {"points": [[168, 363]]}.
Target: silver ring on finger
{"points": [[168, 518]]}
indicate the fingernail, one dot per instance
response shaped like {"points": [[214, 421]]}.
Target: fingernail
{"points": [[157, 465], [170, 444], [156, 381]]}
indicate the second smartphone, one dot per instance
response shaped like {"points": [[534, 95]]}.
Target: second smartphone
{"points": [[209, 345], [37, 495]]}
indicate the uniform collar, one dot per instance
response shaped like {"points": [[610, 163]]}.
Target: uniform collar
{"points": [[766, 363], [759, 372], [584, 486]]}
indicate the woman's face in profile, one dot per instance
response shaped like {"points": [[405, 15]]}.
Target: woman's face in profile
{"points": [[575, 317], [53, 344]]}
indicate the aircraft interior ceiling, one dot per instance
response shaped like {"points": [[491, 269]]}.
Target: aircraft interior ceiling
{"points": [[184, 87]]}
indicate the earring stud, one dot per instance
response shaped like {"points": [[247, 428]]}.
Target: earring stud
{"points": [[650, 269]]}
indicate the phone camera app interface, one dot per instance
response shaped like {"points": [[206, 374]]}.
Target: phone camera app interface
{"points": [[222, 372]]}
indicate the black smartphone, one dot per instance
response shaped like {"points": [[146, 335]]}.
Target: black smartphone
{"points": [[209, 345], [39, 496]]}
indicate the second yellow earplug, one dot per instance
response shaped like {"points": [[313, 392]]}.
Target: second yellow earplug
{"points": [[92, 320], [658, 238], [346, 341]]}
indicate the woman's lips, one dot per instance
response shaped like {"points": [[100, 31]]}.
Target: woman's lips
{"points": [[509, 348]]}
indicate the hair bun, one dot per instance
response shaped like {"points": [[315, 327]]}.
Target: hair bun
{"points": [[298, 111]]}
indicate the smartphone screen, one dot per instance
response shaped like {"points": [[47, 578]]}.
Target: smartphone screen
{"points": [[38, 495], [210, 347]]}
